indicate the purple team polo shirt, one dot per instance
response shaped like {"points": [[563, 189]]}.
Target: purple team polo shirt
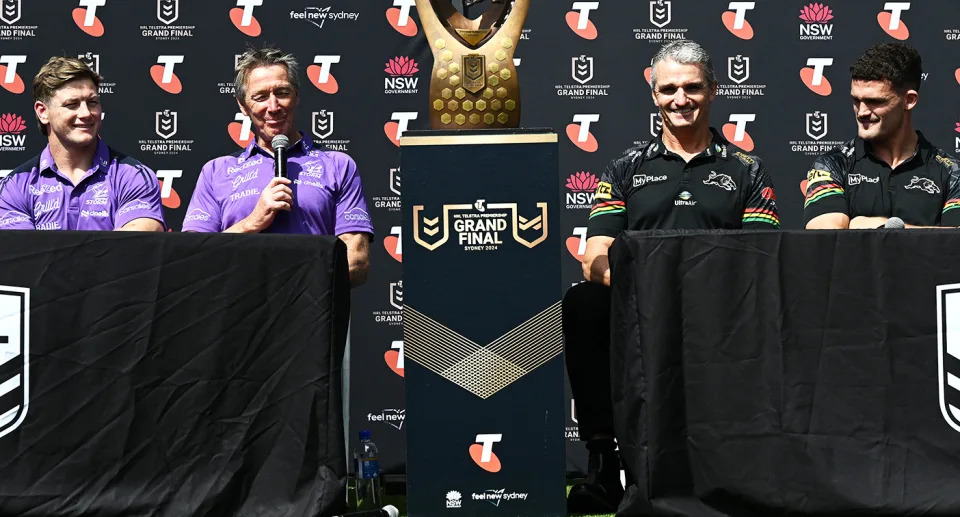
{"points": [[116, 190], [327, 195]]}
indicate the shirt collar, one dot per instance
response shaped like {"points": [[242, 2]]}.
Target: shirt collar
{"points": [[718, 146], [303, 147], [101, 160], [923, 149]]}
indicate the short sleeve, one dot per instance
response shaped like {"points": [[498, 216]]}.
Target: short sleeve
{"points": [[138, 195], [204, 213], [352, 213]]}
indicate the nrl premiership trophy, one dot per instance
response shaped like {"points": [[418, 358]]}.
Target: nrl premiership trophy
{"points": [[474, 82]]}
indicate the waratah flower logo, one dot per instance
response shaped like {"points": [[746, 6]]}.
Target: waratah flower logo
{"points": [[957, 129], [582, 182], [11, 123], [816, 13], [401, 66]]}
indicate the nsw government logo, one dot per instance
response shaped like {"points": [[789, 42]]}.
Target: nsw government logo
{"points": [[661, 29], [401, 78], [166, 125], [816, 129], [168, 12], [738, 71], [581, 186], [14, 356], [12, 136], [582, 73], [391, 201], [454, 499], [393, 315], [10, 13], [321, 125], [815, 27], [481, 226]]}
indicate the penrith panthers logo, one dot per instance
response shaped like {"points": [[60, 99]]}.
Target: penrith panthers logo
{"points": [[925, 184], [723, 181]]}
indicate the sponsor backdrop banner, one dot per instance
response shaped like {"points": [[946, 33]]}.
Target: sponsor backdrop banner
{"points": [[168, 100], [806, 385], [128, 388]]}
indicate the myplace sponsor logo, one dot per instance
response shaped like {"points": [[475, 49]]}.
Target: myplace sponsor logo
{"points": [[392, 417], [497, 496], [318, 16], [167, 12]]}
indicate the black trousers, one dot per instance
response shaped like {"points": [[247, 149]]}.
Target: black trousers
{"points": [[586, 332]]}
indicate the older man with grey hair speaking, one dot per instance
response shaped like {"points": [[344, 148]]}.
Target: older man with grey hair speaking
{"points": [[687, 177]]}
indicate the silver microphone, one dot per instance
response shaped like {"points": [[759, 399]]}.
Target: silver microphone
{"points": [[894, 223]]}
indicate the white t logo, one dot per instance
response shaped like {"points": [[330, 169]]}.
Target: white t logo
{"points": [[585, 120], [895, 9], [818, 64], [584, 8], [11, 62], [91, 6], [395, 230], [581, 231], [398, 345], [487, 440], [244, 125], [741, 9], [404, 6], [325, 62], [248, 6], [167, 177], [168, 62], [403, 118], [741, 119]]}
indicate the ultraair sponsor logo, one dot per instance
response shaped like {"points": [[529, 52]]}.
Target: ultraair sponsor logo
{"points": [[320, 16], [582, 73], [393, 243], [578, 19], [400, 17], [240, 130], [735, 19], [815, 27], [580, 188], [816, 130], [12, 137], [401, 76], [10, 80], [891, 19], [10, 13], [14, 353], [391, 201], [169, 196], [685, 198], [736, 131], [579, 132], [813, 76], [739, 73], [166, 125], [322, 125], [497, 496], [168, 12], [163, 74], [243, 19], [394, 357], [577, 243], [86, 19], [320, 75], [399, 122], [391, 417], [392, 316], [482, 453], [572, 432], [93, 61], [661, 28]]}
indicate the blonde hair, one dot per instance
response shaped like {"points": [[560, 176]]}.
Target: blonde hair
{"points": [[55, 73]]}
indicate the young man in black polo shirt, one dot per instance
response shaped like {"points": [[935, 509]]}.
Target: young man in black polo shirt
{"points": [[889, 170], [688, 177]]}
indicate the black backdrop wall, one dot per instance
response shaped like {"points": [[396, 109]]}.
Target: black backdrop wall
{"points": [[366, 75]]}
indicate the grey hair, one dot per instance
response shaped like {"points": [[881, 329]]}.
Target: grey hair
{"points": [[685, 52], [256, 58]]}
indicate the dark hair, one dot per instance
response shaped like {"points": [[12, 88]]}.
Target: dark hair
{"points": [[895, 62]]}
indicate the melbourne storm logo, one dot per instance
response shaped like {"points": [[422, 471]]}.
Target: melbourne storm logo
{"points": [[14, 357]]}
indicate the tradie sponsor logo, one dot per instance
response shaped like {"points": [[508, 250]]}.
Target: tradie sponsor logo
{"points": [[390, 203], [399, 17], [10, 13], [738, 71], [815, 27], [581, 185], [320, 76], [813, 77], [240, 131], [816, 128], [736, 130], [577, 244], [578, 19], [661, 16], [482, 452], [581, 71], [394, 357], [579, 132], [401, 71], [891, 19], [11, 128], [243, 18], [392, 417], [163, 75], [85, 17], [399, 122], [10, 80], [168, 11], [735, 20], [168, 196], [393, 243], [321, 125], [166, 125]]}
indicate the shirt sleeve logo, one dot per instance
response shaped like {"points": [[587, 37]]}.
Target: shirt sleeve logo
{"points": [[723, 181], [604, 191], [925, 184], [817, 175]]}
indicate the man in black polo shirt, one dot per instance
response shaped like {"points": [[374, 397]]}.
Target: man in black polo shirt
{"points": [[688, 177], [889, 170]]}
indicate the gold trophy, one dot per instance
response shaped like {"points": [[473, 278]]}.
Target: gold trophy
{"points": [[474, 82]]}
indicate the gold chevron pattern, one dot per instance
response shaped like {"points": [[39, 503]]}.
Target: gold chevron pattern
{"points": [[482, 369]]}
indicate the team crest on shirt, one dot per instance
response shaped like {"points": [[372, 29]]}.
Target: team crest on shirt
{"points": [[723, 181], [925, 184]]}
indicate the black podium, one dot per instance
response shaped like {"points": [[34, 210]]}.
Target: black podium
{"points": [[482, 335]]}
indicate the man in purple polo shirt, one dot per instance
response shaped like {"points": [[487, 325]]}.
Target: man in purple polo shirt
{"points": [[322, 194], [77, 182]]}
